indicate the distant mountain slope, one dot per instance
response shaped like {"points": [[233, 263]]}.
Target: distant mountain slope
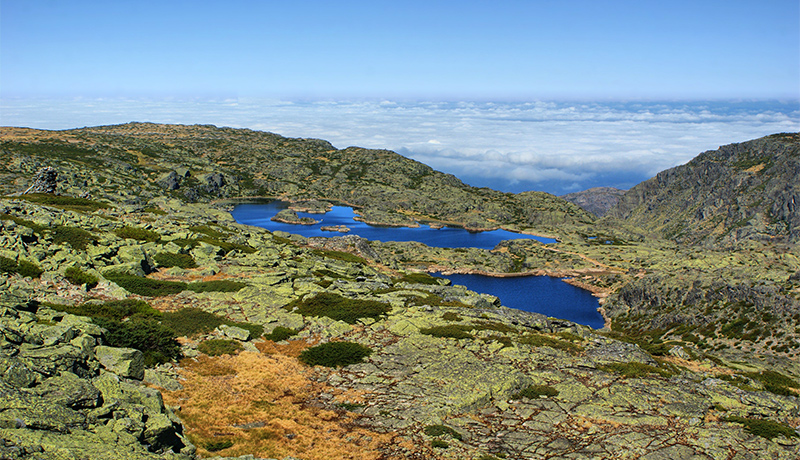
{"points": [[202, 162], [597, 200], [749, 190]]}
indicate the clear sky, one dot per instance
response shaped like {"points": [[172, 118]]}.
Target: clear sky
{"points": [[568, 49]]}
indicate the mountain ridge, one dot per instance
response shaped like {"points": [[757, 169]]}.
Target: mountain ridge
{"points": [[740, 191]]}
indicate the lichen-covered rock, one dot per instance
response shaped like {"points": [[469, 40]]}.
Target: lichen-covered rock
{"points": [[234, 332], [125, 362]]}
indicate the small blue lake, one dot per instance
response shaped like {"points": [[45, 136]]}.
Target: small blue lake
{"points": [[259, 215], [539, 294]]}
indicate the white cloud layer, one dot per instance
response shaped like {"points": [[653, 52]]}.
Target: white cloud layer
{"points": [[557, 147]]}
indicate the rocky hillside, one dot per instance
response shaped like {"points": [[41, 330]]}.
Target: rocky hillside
{"points": [[597, 200], [739, 192], [139, 320], [314, 349], [201, 163]]}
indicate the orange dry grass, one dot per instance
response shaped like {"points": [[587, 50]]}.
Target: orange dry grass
{"points": [[257, 402]]}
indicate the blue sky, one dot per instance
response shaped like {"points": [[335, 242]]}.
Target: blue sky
{"points": [[517, 95], [414, 49]]}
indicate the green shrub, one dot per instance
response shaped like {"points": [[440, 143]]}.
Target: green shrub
{"points": [[535, 391], [335, 354], [441, 430], [227, 246], [130, 323], [339, 308], [156, 341], [280, 333], [450, 316], [79, 277], [192, 321], [25, 223], [539, 340], [453, 331], [209, 231], [217, 347], [137, 233], [65, 202], [168, 259], [145, 286], [774, 382], [215, 446], [215, 286], [764, 428], [113, 309], [77, 238], [23, 267], [339, 255]]}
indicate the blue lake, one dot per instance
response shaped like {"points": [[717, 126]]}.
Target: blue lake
{"points": [[539, 294], [446, 237]]}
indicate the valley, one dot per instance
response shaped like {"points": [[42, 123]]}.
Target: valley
{"points": [[697, 269]]}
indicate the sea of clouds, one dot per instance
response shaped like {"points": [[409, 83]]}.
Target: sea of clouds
{"points": [[557, 147]]}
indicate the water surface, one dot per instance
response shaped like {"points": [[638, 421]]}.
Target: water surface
{"points": [[539, 294], [446, 237]]}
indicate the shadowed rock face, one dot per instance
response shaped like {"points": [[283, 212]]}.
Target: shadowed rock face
{"points": [[597, 200], [738, 192]]}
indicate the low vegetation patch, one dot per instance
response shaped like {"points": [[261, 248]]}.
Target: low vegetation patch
{"points": [[79, 277], [764, 428], [453, 331], [339, 255], [280, 333], [216, 446], [450, 316], [131, 324], [156, 341], [215, 286], [775, 382], [634, 369], [227, 246], [436, 431], [217, 347], [24, 222], [191, 321], [339, 308], [22, 268], [168, 259], [209, 231], [137, 233], [145, 286], [71, 203], [541, 340], [77, 238], [335, 354], [149, 287], [535, 391]]}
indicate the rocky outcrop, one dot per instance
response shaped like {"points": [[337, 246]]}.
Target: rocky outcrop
{"points": [[597, 200], [45, 181], [65, 396], [746, 191], [287, 216]]}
